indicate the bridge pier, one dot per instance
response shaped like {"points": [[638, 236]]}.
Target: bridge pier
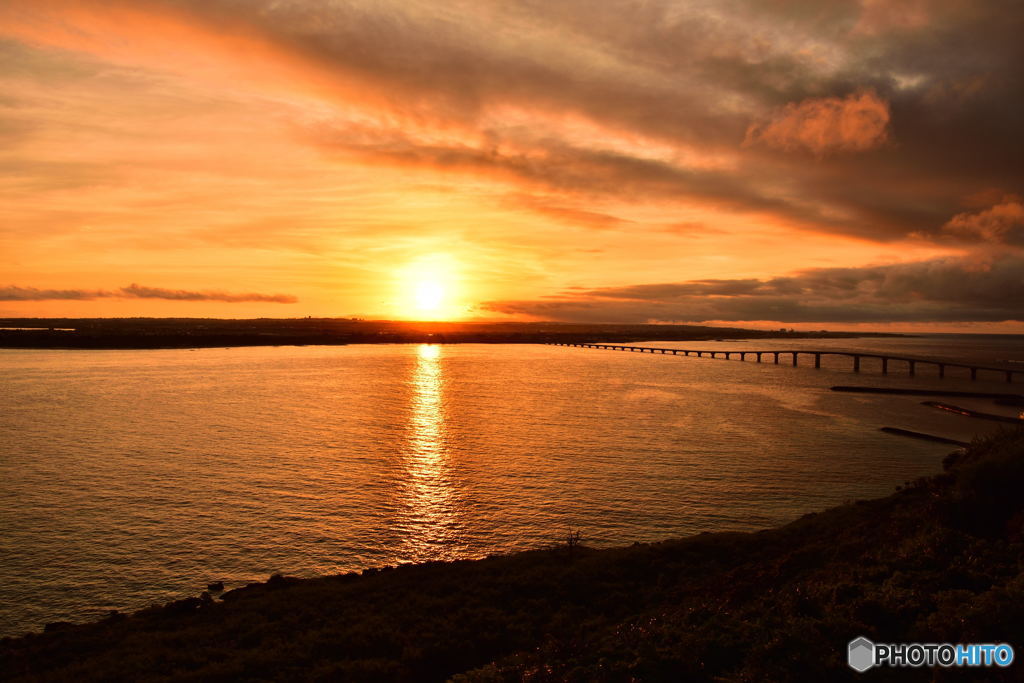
{"points": [[795, 356], [856, 363], [942, 370], [817, 361], [910, 367], [758, 356], [974, 373], [885, 366], [776, 358]]}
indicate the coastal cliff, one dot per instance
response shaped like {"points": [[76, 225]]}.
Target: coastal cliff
{"points": [[940, 560]]}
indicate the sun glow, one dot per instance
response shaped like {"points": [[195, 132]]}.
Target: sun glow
{"points": [[428, 289], [429, 295]]}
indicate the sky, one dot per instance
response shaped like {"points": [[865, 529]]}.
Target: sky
{"points": [[840, 164]]}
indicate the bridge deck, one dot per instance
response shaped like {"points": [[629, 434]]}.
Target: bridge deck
{"points": [[911, 362]]}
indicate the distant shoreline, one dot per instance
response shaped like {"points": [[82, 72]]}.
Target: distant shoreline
{"points": [[183, 333]]}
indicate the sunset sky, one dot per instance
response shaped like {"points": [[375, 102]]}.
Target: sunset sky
{"points": [[807, 163]]}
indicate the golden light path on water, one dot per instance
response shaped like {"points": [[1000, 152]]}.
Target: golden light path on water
{"points": [[133, 477], [433, 520]]}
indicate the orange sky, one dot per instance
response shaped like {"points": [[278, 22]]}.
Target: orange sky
{"points": [[808, 163]]}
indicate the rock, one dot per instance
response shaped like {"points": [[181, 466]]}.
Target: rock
{"points": [[57, 626], [216, 586], [186, 606]]}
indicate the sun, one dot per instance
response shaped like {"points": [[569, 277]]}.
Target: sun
{"points": [[429, 289], [429, 295]]}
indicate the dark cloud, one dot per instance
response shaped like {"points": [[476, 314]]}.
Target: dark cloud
{"points": [[970, 289], [938, 81], [921, 127], [135, 291]]}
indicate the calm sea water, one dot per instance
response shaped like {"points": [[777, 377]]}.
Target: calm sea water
{"points": [[134, 477]]}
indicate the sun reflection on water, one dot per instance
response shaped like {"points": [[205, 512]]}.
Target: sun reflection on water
{"points": [[432, 526]]}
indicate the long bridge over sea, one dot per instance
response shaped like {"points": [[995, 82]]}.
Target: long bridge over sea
{"points": [[910, 364]]}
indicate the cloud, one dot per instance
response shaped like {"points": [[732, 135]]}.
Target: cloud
{"points": [[14, 293], [1002, 224], [855, 123], [547, 165], [404, 84], [567, 214], [878, 16], [962, 289], [621, 116], [135, 291]]}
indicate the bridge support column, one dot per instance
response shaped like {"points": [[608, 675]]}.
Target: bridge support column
{"points": [[795, 356], [974, 373], [1009, 376], [776, 358], [817, 361], [759, 357], [885, 366], [856, 363], [942, 370], [910, 367]]}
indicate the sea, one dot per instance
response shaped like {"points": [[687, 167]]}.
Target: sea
{"points": [[131, 478]]}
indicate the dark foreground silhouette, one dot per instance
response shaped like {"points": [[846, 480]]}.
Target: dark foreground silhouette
{"points": [[938, 561]]}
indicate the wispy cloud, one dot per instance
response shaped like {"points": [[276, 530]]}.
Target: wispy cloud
{"points": [[135, 291]]}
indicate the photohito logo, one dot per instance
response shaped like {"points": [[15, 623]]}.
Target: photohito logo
{"points": [[862, 654]]}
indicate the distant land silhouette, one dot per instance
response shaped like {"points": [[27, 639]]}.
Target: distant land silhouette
{"points": [[153, 333]]}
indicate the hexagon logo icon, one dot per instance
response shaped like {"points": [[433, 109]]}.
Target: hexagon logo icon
{"points": [[860, 654]]}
